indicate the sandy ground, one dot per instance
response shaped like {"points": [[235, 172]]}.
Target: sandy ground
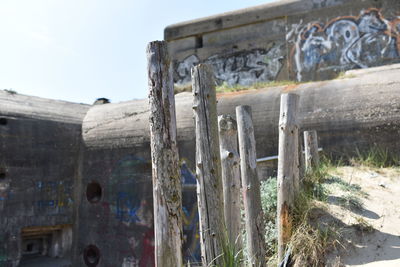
{"points": [[378, 247]]}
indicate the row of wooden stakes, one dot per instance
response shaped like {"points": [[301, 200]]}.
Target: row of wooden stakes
{"points": [[223, 171]]}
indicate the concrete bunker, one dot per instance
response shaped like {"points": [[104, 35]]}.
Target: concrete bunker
{"points": [[46, 241]]}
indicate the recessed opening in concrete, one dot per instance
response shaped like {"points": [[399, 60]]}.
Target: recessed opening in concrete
{"points": [[2, 174], [46, 245], [93, 192], [199, 41], [91, 256], [3, 121]]}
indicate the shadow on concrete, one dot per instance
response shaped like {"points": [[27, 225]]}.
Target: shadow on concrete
{"points": [[44, 261]]}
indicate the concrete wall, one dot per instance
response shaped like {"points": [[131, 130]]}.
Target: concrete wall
{"points": [[297, 40], [120, 222], [39, 141], [348, 113]]}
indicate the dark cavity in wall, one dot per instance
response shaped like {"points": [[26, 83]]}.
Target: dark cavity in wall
{"points": [[3, 173], [199, 41], [3, 121], [91, 256], [93, 192]]}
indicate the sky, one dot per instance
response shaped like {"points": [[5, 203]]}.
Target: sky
{"points": [[81, 50]]}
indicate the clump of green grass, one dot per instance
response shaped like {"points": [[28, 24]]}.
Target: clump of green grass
{"points": [[343, 75], [269, 205], [225, 87], [11, 91], [343, 185], [363, 226], [376, 157], [232, 257], [308, 241], [351, 202]]}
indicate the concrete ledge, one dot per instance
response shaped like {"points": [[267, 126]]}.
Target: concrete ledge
{"points": [[244, 16]]}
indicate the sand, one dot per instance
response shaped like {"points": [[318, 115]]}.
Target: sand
{"points": [[380, 246]]}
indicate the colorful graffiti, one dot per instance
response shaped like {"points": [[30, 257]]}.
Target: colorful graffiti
{"points": [[55, 195], [131, 206], [343, 43], [4, 191], [243, 67], [129, 185]]}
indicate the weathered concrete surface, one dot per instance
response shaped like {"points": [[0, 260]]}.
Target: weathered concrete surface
{"points": [[39, 141], [298, 40], [366, 99], [244, 16]]}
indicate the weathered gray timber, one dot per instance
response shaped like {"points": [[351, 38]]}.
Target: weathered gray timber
{"points": [[208, 166], [228, 141], [254, 215], [288, 169], [167, 194], [311, 149], [302, 167]]}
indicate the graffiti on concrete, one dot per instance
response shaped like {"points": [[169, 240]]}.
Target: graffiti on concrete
{"points": [[129, 186], [191, 246], [344, 43], [4, 190], [132, 208], [55, 196], [244, 67]]}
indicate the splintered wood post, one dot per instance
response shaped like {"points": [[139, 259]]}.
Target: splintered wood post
{"points": [[302, 168], [288, 169], [208, 167], [311, 149], [254, 216], [167, 193], [230, 178]]}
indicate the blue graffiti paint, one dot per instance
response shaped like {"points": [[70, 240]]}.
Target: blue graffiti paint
{"points": [[127, 207]]}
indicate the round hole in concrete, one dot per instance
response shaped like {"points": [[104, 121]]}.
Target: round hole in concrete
{"points": [[93, 192], [3, 121], [91, 256]]}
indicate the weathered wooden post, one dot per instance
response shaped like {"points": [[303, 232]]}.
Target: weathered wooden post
{"points": [[254, 216], [165, 160], [230, 178], [208, 167], [302, 168], [311, 149], [288, 169]]}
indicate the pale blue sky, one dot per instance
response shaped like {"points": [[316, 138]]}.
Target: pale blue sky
{"points": [[80, 50]]}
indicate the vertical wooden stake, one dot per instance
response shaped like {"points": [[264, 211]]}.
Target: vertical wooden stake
{"points": [[208, 167], [167, 195], [311, 149], [251, 188], [302, 168], [288, 169], [230, 178]]}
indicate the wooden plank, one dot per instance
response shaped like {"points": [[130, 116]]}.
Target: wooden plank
{"points": [[230, 178], [208, 167], [288, 169], [311, 149], [167, 194], [254, 215]]}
